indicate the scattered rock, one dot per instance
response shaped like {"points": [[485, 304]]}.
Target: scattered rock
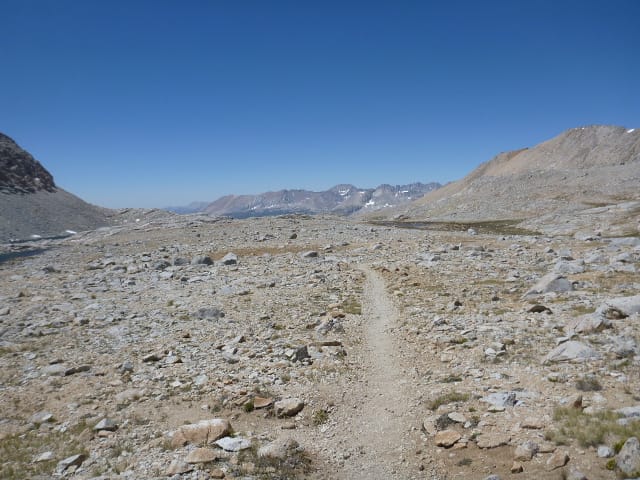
{"points": [[201, 433], [233, 444], [288, 407], [571, 351], [201, 455], [229, 259], [492, 440], [279, 449], [550, 283], [447, 438], [628, 459], [558, 459]]}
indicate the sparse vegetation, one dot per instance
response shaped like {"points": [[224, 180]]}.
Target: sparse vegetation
{"points": [[590, 430], [447, 398], [352, 306], [320, 416], [588, 383], [19, 450]]}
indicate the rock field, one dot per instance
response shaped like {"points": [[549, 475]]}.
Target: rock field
{"points": [[189, 347]]}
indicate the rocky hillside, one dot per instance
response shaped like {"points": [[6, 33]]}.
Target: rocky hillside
{"points": [[20, 172], [341, 199], [32, 205], [585, 178]]}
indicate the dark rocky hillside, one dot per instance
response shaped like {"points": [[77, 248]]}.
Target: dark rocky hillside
{"points": [[31, 205]]}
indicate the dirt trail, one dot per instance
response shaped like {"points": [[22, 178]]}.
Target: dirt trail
{"points": [[385, 423]]}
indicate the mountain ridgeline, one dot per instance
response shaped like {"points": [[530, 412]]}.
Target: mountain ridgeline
{"points": [[341, 199], [586, 178], [31, 205]]}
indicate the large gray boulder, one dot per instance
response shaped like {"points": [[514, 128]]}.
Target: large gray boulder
{"points": [[571, 351]]}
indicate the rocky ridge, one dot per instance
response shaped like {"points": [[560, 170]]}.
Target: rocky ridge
{"points": [[584, 179], [341, 199], [32, 206], [318, 347]]}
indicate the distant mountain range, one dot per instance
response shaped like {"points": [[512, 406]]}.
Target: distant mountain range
{"points": [[342, 200]]}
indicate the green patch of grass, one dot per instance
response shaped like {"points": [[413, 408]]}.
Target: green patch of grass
{"points": [[248, 406], [447, 398], [590, 430], [320, 416]]}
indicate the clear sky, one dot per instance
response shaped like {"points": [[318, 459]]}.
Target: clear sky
{"points": [[162, 102]]}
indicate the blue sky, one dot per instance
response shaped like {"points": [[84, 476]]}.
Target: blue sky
{"points": [[157, 103]]}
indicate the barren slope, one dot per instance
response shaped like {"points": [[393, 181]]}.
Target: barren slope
{"points": [[582, 168]]}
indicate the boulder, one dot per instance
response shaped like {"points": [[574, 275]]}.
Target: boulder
{"points": [[279, 449], [203, 432], [628, 459], [550, 283], [288, 407], [571, 351], [447, 438]]}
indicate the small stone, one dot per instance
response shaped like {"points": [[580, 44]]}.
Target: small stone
{"points": [[41, 417], [552, 282], [216, 473], [209, 313], [229, 259], [233, 444], [205, 431], [55, 370], [557, 460], [73, 460], [517, 467], [44, 457], [152, 357], [106, 424], [279, 449], [128, 396], [605, 452], [526, 451], [492, 440], [532, 423], [457, 417], [262, 402], [309, 254], [501, 399], [178, 467], [288, 407], [201, 260], [575, 475], [300, 354], [447, 438], [201, 455], [540, 309]]}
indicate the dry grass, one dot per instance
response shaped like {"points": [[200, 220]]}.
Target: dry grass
{"points": [[447, 398], [18, 451], [573, 425]]}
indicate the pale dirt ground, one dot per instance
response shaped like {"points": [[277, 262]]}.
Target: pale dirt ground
{"points": [[404, 344]]}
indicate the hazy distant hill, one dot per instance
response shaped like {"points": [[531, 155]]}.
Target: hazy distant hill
{"points": [[341, 199], [586, 177], [31, 203]]}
